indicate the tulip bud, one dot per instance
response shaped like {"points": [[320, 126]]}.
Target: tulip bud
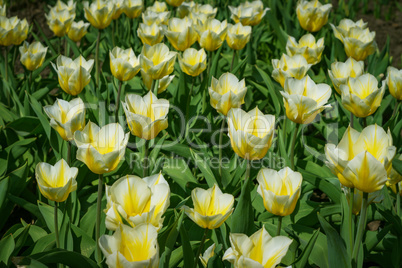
{"points": [[60, 5], [394, 82], [307, 47], [345, 25], [101, 149], [209, 253], [184, 9], [66, 117], [56, 182], [296, 67], [157, 61], [180, 33], [238, 36], [133, 8], [149, 17], [78, 30], [158, 7], [248, 13], [174, 3], [250, 133], [13, 31], [212, 34], [211, 207], [123, 63], [312, 15], [118, 8], [374, 197], [99, 13], [340, 72], [193, 62], [32, 55], [206, 10], [60, 21], [163, 83], [150, 34]]}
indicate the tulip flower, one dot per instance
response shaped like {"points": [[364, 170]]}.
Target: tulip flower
{"points": [[56, 182], [163, 83], [60, 21], [198, 10], [32, 55], [307, 47], [157, 61], [60, 5], [250, 133], [123, 63], [133, 8], [209, 253], [345, 25], [362, 160], [227, 93], [279, 190], [174, 3], [73, 75], [341, 71], [66, 117], [149, 17], [211, 207], [131, 247], [238, 36], [258, 250], [3, 10], [212, 33], [180, 33], [146, 116], [394, 82], [99, 13], [394, 177], [193, 62], [78, 30], [296, 67], [361, 96], [158, 7], [13, 31], [101, 149], [248, 13], [184, 9], [374, 197], [150, 34], [312, 15], [118, 8]]}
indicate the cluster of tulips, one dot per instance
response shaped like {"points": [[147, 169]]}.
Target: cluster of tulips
{"points": [[135, 206]]}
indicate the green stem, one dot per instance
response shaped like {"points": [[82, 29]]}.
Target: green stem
{"points": [[97, 61], [59, 45], [6, 62], [364, 122], [145, 161], [68, 153], [197, 256], [113, 31], [351, 232], [279, 227], [155, 89], [284, 131], [98, 219], [395, 109], [398, 200], [116, 117], [351, 120], [30, 82], [220, 145], [56, 225], [188, 104], [360, 229], [233, 58], [292, 148]]}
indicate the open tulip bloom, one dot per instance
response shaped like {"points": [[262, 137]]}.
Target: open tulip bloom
{"points": [[193, 62], [158, 7], [150, 34], [341, 71], [289, 66], [150, 17], [99, 13], [133, 8], [157, 61], [78, 30], [238, 36], [123, 63], [307, 46], [312, 15], [180, 33], [12, 31], [212, 33], [60, 21], [248, 13], [394, 82], [32, 55]]}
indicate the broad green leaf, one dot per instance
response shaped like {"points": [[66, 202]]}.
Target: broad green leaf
{"points": [[7, 246]]}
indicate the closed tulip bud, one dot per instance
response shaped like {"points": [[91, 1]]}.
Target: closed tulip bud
{"points": [[180, 33], [13, 31], [157, 61], [163, 83], [259, 250], [374, 197], [101, 149], [250, 133], [307, 47], [60, 21], [394, 82], [361, 96], [73, 75], [32, 55], [304, 99], [149, 17], [146, 116], [362, 160], [150, 34], [99, 13], [345, 25], [78, 30], [133, 8], [340, 72], [209, 253], [295, 66], [158, 7], [131, 247], [227, 93], [193, 62], [211, 207], [248, 13], [123, 63], [134, 200], [174, 3], [312, 15], [118, 8], [56, 182], [211, 34], [66, 117], [238, 36], [279, 190]]}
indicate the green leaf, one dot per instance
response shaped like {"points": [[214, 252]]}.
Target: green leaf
{"points": [[48, 214], [303, 258], [271, 90], [179, 171], [7, 246], [397, 165], [243, 216], [206, 171], [188, 254], [61, 256], [170, 241]]}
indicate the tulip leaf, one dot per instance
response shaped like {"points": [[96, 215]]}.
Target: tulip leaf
{"points": [[171, 240], [271, 90], [188, 254], [243, 215], [203, 166], [7, 246], [178, 169], [48, 215], [397, 165], [241, 65], [304, 256]]}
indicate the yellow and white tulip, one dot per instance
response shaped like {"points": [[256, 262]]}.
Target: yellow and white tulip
{"points": [[13, 31], [163, 83], [212, 34], [312, 15], [118, 8], [248, 13], [307, 46], [295, 66], [78, 30], [99, 13], [158, 7], [157, 61], [341, 71], [32, 55], [181, 33], [374, 197], [193, 62], [150, 34], [133, 8], [345, 25], [123, 63], [174, 3], [394, 82], [208, 253], [238, 36], [150, 17], [60, 21]]}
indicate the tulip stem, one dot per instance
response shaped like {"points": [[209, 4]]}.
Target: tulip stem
{"points": [[220, 145], [360, 229], [364, 121], [398, 200], [116, 117], [68, 153], [279, 227], [351, 120], [30, 82], [155, 89], [395, 109], [197, 256], [97, 61], [145, 162], [6, 63], [98, 219], [292, 147], [351, 232], [233, 58], [188, 104], [56, 225], [113, 31]]}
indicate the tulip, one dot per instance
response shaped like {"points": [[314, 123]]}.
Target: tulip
{"points": [[193, 62], [227, 93], [118, 8], [99, 13], [394, 82], [209, 253], [398, 190], [101, 149], [212, 33], [56, 182], [131, 247], [248, 13], [158, 7], [211, 207], [184, 9], [13, 31], [123, 63], [163, 83], [307, 47], [66, 117], [206, 10], [361, 96], [150, 34], [340, 72], [250, 133], [60, 5], [394, 177], [312, 15], [60, 21], [133, 8], [362, 160], [78, 30], [345, 25], [258, 250], [238, 36], [149, 17], [174, 3], [73, 75], [279, 190], [180, 33], [375, 197], [146, 116], [295, 66], [135, 201], [157, 61], [32, 55], [3, 10]]}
